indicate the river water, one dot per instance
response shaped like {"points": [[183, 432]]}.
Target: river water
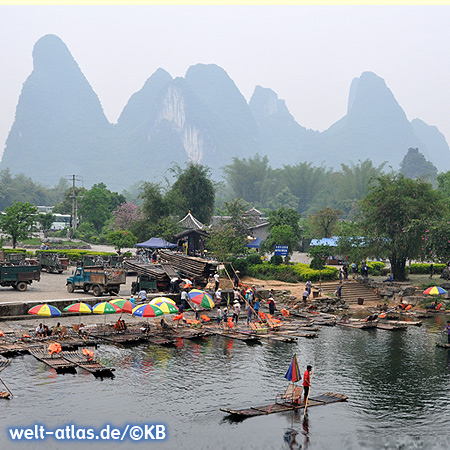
{"points": [[398, 384]]}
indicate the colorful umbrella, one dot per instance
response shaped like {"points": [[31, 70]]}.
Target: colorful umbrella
{"points": [[45, 310], [79, 307], [157, 301], [435, 290], [293, 373], [147, 311], [201, 298], [168, 308], [105, 308], [124, 304]]}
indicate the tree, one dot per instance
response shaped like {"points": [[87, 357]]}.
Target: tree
{"points": [[323, 222], [251, 179], [121, 239], [414, 165], [18, 221], [284, 229], [230, 235], [319, 255], [352, 244], [395, 214], [443, 180], [225, 239], [97, 205], [280, 235], [126, 216], [285, 216], [192, 191], [46, 222], [304, 182], [284, 198]]}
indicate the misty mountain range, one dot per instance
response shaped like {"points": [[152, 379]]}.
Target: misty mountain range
{"points": [[60, 127]]}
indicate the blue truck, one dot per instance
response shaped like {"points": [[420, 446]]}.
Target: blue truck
{"points": [[99, 280]]}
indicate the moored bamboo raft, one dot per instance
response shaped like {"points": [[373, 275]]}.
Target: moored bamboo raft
{"points": [[360, 325], [124, 339], [246, 337], [323, 399], [389, 327], [55, 361], [158, 340], [92, 366]]}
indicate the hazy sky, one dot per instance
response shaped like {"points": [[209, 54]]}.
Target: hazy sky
{"points": [[307, 54]]}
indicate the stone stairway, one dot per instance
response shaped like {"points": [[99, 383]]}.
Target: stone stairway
{"points": [[352, 290]]}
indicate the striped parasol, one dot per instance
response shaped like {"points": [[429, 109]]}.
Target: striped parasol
{"points": [[147, 310], [79, 307], [45, 310], [435, 290], [201, 298]]}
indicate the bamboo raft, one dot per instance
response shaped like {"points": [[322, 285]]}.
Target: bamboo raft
{"points": [[389, 327], [55, 361], [125, 339], [79, 360], [158, 340], [360, 325], [245, 337], [323, 399]]}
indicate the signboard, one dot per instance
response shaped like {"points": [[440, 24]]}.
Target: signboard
{"points": [[281, 250]]}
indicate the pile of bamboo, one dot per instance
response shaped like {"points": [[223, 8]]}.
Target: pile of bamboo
{"points": [[155, 271], [189, 266]]}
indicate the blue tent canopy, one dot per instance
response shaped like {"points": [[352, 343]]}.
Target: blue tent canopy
{"points": [[156, 243], [255, 243]]}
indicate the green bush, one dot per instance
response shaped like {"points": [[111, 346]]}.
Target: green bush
{"points": [[306, 273], [276, 260], [376, 267], [291, 273], [253, 259], [238, 264], [424, 269], [77, 254]]}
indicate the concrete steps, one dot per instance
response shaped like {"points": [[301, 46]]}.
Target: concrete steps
{"points": [[352, 290]]}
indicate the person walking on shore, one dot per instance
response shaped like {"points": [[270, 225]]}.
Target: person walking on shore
{"points": [[305, 296]]}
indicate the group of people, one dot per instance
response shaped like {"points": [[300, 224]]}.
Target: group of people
{"points": [[44, 331], [252, 300]]}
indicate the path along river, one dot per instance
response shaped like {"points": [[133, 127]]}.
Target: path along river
{"points": [[398, 384]]}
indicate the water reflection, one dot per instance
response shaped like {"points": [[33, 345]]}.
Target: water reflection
{"points": [[398, 386]]}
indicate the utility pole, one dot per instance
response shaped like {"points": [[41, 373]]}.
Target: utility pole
{"points": [[74, 206]]}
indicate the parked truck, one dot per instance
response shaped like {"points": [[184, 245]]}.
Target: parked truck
{"points": [[144, 282], [52, 262], [19, 276], [98, 279]]}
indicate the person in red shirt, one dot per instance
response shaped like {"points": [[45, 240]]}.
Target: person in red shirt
{"points": [[307, 381]]}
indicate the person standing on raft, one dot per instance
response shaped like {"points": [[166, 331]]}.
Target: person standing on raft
{"points": [[306, 382]]}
